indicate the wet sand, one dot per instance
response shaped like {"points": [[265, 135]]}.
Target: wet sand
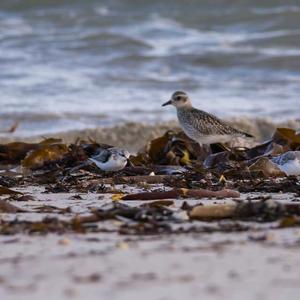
{"points": [[261, 263], [108, 266]]}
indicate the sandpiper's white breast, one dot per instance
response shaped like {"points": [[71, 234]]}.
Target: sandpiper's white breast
{"points": [[111, 160], [111, 165]]}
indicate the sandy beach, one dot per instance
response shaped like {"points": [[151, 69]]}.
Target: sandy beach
{"points": [[196, 201], [258, 263]]}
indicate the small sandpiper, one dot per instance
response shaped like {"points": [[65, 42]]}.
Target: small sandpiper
{"points": [[111, 159], [288, 162], [200, 126]]}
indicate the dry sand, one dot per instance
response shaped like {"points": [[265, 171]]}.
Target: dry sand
{"points": [[257, 264]]}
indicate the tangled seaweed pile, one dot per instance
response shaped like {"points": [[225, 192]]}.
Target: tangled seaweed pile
{"points": [[167, 168]]}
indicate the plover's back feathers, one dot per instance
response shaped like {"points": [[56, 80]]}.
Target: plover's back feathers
{"points": [[200, 125]]}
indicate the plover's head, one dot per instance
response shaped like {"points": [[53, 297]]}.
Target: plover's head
{"points": [[179, 99]]}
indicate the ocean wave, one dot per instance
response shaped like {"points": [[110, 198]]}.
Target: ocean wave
{"points": [[85, 63], [49, 116]]}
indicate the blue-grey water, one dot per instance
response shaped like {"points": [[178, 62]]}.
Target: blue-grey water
{"points": [[81, 64]]}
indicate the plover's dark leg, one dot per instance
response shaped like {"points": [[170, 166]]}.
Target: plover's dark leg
{"points": [[205, 150]]}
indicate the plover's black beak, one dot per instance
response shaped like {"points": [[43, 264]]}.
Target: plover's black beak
{"points": [[167, 103]]}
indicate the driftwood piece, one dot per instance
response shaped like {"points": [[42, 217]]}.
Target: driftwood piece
{"points": [[219, 211], [182, 193], [11, 129], [134, 179], [269, 210]]}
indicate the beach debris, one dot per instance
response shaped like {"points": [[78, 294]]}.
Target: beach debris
{"points": [[266, 185], [15, 152], [287, 137], [6, 207], [45, 155], [161, 217], [170, 149], [262, 211], [6, 191], [169, 168], [90, 278], [182, 193], [159, 203], [214, 211], [12, 128], [134, 179], [267, 167]]}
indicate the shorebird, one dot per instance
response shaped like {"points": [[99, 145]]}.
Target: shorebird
{"points": [[288, 162], [200, 126], [111, 159]]}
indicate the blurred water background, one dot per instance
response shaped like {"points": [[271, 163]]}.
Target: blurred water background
{"points": [[80, 64]]}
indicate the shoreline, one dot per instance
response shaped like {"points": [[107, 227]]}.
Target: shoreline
{"points": [[133, 135]]}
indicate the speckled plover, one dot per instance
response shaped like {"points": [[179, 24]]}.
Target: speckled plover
{"points": [[201, 126]]}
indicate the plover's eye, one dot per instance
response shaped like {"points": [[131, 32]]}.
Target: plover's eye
{"points": [[178, 98]]}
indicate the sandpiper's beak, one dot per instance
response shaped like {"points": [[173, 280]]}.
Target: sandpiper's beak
{"points": [[168, 103]]}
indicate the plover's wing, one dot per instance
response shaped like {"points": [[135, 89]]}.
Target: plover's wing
{"points": [[209, 124], [103, 156]]}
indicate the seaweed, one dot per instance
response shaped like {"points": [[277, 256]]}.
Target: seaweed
{"points": [[169, 169]]}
